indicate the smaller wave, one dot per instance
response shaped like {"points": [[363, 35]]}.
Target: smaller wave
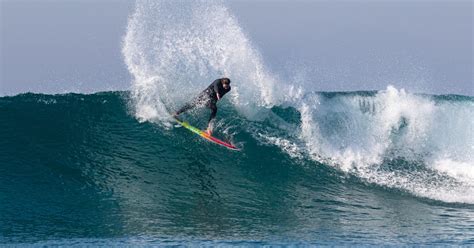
{"points": [[359, 133]]}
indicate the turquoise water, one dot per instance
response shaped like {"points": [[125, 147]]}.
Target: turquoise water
{"points": [[82, 169]]}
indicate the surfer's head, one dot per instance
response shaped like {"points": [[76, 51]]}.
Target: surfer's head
{"points": [[225, 83]]}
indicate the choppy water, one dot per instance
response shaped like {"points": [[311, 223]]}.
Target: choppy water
{"points": [[80, 169]]}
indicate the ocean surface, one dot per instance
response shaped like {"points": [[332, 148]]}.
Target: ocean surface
{"points": [[385, 167], [82, 169]]}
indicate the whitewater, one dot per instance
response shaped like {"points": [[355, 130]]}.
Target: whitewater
{"points": [[375, 167]]}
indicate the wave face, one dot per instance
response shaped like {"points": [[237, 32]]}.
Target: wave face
{"points": [[81, 169]]}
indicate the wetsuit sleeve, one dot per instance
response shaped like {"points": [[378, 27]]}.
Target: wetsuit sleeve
{"points": [[216, 87]]}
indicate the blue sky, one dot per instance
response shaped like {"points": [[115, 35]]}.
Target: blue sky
{"points": [[423, 46]]}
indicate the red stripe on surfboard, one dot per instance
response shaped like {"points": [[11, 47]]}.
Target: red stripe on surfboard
{"points": [[218, 141]]}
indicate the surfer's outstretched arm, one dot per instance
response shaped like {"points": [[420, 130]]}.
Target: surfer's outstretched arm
{"points": [[185, 108], [192, 104]]}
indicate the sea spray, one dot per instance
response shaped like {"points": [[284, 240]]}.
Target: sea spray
{"points": [[175, 49]]}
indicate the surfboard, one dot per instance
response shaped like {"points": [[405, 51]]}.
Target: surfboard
{"points": [[206, 136]]}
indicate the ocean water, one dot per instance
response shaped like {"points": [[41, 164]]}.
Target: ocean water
{"points": [[81, 169], [386, 167]]}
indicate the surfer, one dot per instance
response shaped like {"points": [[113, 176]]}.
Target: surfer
{"points": [[208, 98]]}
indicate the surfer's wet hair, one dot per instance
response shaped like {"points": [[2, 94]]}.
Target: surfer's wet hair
{"points": [[225, 80]]}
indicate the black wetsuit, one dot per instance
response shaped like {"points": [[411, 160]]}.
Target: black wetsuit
{"points": [[208, 98]]}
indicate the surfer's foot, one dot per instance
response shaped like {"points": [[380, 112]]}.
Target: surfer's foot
{"points": [[175, 115], [208, 132]]}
